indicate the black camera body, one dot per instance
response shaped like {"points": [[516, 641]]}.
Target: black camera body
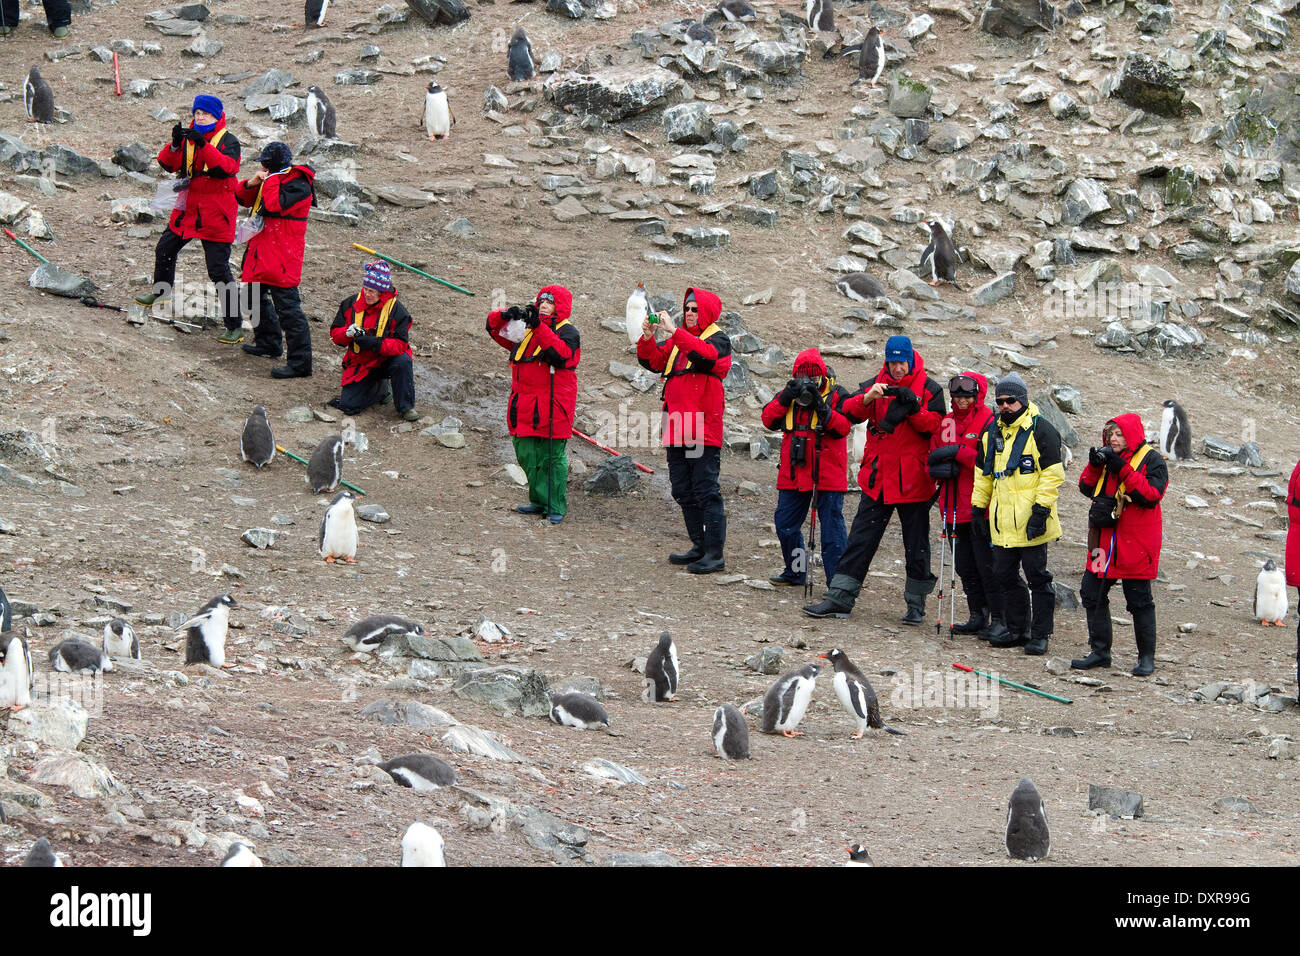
{"points": [[807, 391]]}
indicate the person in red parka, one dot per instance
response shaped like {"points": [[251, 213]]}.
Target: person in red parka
{"points": [[902, 408], [952, 465], [693, 361], [208, 154], [814, 467], [1293, 548], [282, 194], [1125, 478], [375, 329], [545, 349]]}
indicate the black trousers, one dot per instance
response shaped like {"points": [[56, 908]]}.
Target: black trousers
{"points": [[974, 562], [216, 255], [869, 528], [1094, 595], [279, 322], [358, 396], [1007, 563], [693, 475], [57, 12]]}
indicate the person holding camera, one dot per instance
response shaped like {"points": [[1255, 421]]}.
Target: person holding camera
{"points": [[1125, 478], [544, 351], [374, 330], [693, 361], [813, 470], [902, 409], [952, 465], [1018, 476], [208, 154]]}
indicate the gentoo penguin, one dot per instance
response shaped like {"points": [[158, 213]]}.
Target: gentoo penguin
{"points": [[256, 443], [6, 612], [661, 671], [730, 733], [120, 640], [240, 855], [315, 12], [338, 529], [41, 855], [422, 846], [578, 710], [16, 678], [787, 700], [858, 856], [819, 15], [942, 254], [38, 98], [75, 656], [1027, 836], [1175, 432], [438, 118], [519, 57], [871, 57], [321, 119], [420, 771], [205, 642], [701, 33], [326, 465], [735, 10], [636, 311], [369, 633], [860, 287], [1270, 595], [857, 445], [856, 694]]}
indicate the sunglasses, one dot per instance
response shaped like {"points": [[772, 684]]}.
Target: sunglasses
{"points": [[690, 308], [1006, 401]]}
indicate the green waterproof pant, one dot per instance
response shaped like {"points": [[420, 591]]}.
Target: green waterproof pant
{"points": [[537, 460]]}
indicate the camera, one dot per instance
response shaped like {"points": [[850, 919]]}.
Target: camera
{"points": [[807, 391], [891, 390]]}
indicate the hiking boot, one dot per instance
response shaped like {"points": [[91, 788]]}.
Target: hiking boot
{"points": [[232, 337], [1008, 639], [1036, 647], [839, 600], [914, 593], [5, 31], [262, 350], [976, 624], [781, 581], [915, 615], [556, 519], [529, 509], [1094, 659], [288, 371], [411, 415], [60, 32], [708, 563], [1146, 665], [149, 298], [687, 557]]}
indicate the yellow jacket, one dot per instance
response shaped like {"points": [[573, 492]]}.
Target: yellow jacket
{"points": [[1011, 489]]}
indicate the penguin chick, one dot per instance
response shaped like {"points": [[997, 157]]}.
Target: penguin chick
{"points": [[422, 846], [240, 855], [661, 671], [420, 771], [578, 710], [786, 701]]}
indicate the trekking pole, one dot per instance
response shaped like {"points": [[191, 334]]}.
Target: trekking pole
{"points": [[550, 430], [1009, 683], [952, 591], [943, 550], [617, 454]]}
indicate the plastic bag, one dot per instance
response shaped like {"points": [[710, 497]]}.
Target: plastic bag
{"points": [[248, 228], [170, 195]]}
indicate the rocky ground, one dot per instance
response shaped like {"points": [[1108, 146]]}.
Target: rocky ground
{"points": [[1122, 182]]}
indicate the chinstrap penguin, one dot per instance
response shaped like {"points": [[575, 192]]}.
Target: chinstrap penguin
{"points": [[661, 671], [422, 846], [438, 117], [41, 854], [38, 98], [325, 468], [730, 733], [519, 57], [17, 676], [578, 710], [1271, 601], [366, 635], [205, 641], [256, 443], [1175, 432], [1027, 836], [75, 656], [420, 771], [321, 118], [858, 856], [338, 529], [787, 700], [240, 855], [856, 695]]}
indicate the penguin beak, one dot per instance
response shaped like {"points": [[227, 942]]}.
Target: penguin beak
{"points": [[824, 656]]}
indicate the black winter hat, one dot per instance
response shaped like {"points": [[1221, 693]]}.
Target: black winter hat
{"points": [[275, 156]]}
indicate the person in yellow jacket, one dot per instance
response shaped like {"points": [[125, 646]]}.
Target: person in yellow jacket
{"points": [[1018, 475]]}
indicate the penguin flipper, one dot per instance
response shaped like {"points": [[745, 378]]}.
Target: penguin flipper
{"points": [[929, 251], [848, 50], [889, 729]]}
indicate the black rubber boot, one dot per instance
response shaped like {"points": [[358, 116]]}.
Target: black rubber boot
{"points": [[1036, 646], [1094, 659], [1144, 629], [840, 598], [994, 628], [914, 593], [715, 536], [978, 621], [695, 528], [1008, 639]]}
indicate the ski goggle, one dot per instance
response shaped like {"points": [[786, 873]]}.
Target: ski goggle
{"points": [[963, 386]]}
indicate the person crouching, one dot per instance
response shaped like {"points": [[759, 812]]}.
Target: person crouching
{"points": [[374, 328]]}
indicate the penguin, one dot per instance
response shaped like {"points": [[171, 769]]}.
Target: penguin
{"points": [[1270, 595], [326, 465], [519, 57], [736, 10], [942, 254], [17, 676], [1175, 432], [871, 57], [366, 635], [240, 855], [1027, 836], [41, 855], [420, 771], [205, 640], [338, 529], [120, 640], [6, 612], [422, 846], [858, 856], [38, 97], [256, 443], [701, 33], [75, 656], [856, 695], [820, 16], [315, 13], [438, 118], [321, 118], [860, 287], [730, 733], [661, 671], [787, 700], [636, 311], [857, 445], [578, 710]]}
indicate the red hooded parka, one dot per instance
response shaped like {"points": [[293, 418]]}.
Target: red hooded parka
{"points": [[1132, 548], [541, 403], [274, 255], [1293, 529], [828, 450], [210, 205], [963, 428]]}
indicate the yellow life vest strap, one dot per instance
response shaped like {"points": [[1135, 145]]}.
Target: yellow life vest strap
{"points": [[672, 356], [812, 425], [359, 315], [1132, 463], [522, 349], [189, 151]]}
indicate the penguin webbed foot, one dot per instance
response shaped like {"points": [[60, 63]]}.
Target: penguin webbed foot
{"points": [[792, 733], [857, 736], [329, 559], [350, 560]]}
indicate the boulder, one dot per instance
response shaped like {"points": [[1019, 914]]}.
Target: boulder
{"points": [[56, 280], [767, 660], [608, 770], [471, 740], [907, 97], [272, 81], [1048, 410], [995, 289], [1114, 801], [772, 56], [573, 9], [77, 772], [1015, 18], [614, 476], [505, 690], [688, 123], [137, 157], [546, 832], [408, 713], [615, 93], [60, 724], [1084, 198], [68, 162], [1149, 85], [440, 13]]}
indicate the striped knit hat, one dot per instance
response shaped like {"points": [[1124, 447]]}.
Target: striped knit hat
{"points": [[378, 276]]}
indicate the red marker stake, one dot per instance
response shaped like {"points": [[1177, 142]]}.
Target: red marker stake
{"points": [[117, 76]]}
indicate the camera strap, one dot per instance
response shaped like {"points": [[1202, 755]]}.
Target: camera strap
{"points": [[1017, 449]]}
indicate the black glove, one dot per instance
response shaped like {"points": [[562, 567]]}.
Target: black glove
{"points": [[532, 318], [979, 522], [787, 395], [894, 416], [943, 453], [194, 136], [1036, 526], [1097, 457], [907, 398], [367, 342], [823, 410], [178, 136], [1114, 461], [513, 314]]}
